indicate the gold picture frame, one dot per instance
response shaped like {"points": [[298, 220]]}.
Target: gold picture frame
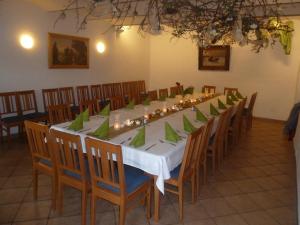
{"points": [[66, 51]]}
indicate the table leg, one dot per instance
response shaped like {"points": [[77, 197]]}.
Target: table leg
{"points": [[156, 201]]}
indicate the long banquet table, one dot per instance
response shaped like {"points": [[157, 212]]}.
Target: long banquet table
{"points": [[157, 157]]}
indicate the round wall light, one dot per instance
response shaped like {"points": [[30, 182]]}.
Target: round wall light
{"points": [[100, 47], [26, 41]]}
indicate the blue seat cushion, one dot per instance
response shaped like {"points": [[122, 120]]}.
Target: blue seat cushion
{"points": [[46, 162], [12, 119], [34, 115], [134, 178], [175, 172]]}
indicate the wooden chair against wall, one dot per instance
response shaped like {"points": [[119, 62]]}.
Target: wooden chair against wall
{"points": [[113, 181], [92, 105], [225, 135], [96, 91], [113, 93], [83, 93], [43, 160], [176, 90], [67, 97], [9, 114], [228, 90], [71, 168], [248, 114], [209, 89], [202, 163], [131, 92], [51, 97], [163, 92], [152, 95], [141, 86], [187, 169], [28, 106], [59, 113]]}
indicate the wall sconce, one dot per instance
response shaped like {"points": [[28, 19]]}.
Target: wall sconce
{"points": [[100, 46], [26, 41]]}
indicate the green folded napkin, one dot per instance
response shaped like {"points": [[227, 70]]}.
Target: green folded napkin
{"points": [[188, 91], [233, 98], [213, 110], [239, 95], [105, 111], [162, 98], [102, 131], [187, 125], [86, 115], [77, 124], [170, 134], [130, 105], [139, 139], [200, 116], [221, 105], [229, 101], [173, 95], [146, 101]]}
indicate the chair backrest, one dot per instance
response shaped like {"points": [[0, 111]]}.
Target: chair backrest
{"points": [[40, 143], [141, 87], [209, 89], [252, 102], [92, 105], [116, 102], [176, 90], [131, 91], [27, 101], [163, 92], [227, 122], [239, 113], [112, 90], [228, 90], [68, 155], [9, 104], [67, 95], [191, 152], [205, 139], [50, 97], [96, 91], [59, 113], [83, 93], [152, 95], [218, 139], [105, 164]]}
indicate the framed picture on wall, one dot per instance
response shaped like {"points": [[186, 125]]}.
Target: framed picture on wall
{"points": [[214, 58], [65, 51]]}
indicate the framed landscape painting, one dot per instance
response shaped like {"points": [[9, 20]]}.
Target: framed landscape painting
{"points": [[214, 58], [66, 51]]}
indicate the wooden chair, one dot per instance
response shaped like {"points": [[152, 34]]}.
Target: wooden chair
{"points": [[92, 105], [225, 135], [113, 181], [28, 106], [83, 93], [217, 142], [152, 95], [248, 113], [67, 97], [72, 168], [116, 102], [228, 90], [59, 113], [202, 163], [10, 115], [43, 160], [187, 169], [96, 91], [236, 123], [113, 93], [163, 92], [176, 90], [131, 91], [50, 97], [209, 89], [141, 87]]}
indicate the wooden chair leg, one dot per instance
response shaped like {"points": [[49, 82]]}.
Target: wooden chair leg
{"points": [[8, 135], [35, 183], [197, 181], [1, 132], [204, 172], [180, 197], [54, 191], [193, 181], [148, 202], [122, 213], [60, 198], [93, 209], [84, 194]]}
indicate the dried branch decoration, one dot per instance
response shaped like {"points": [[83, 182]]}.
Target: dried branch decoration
{"points": [[208, 22]]}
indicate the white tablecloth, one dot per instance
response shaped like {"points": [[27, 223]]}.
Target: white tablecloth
{"points": [[160, 159]]}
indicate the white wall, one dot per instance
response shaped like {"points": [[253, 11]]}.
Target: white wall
{"points": [[271, 72], [126, 58]]}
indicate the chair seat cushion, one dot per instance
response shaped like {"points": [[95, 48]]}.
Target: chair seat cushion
{"points": [[12, 119], [175, 172], [134, 178], [34, 115]]}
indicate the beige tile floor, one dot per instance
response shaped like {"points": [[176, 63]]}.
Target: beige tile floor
{"points": [[255, 186]]}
